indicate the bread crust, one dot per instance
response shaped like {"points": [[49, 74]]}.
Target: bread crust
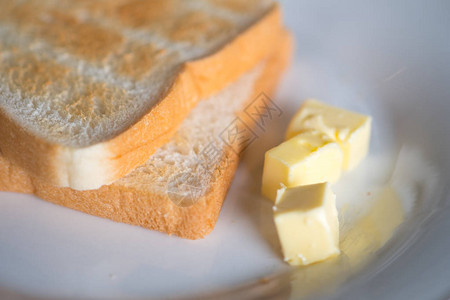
{"points": [[57, 165], [143, 208]]}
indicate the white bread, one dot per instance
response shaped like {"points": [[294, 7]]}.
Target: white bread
{"points": [[145, 197], [90, 89]]}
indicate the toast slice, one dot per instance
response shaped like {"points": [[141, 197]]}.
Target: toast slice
{"points": [[181, 187], [90, 89]]}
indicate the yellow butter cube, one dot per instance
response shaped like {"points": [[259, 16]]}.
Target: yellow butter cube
{"points": [[351, 130], [307, 223], [307, 158]]}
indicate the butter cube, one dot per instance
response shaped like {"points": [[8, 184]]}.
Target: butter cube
{"points": [[307, 158], [351, 130], [307, 223]]}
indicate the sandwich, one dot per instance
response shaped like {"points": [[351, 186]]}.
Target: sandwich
{"points": [[113, 107]]}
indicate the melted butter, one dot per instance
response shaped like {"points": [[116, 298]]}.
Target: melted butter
{"points": [[375, 228], [358, 244]]}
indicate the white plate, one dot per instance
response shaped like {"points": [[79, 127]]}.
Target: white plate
{"points": [[388, 59]]}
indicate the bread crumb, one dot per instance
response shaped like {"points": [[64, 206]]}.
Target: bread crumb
{"points": [[264, 280]]}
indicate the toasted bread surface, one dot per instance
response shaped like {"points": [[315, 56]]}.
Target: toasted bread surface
{"points": [[90, 89]]}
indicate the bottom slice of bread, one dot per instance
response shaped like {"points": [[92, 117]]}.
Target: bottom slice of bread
{"points": [[181, 188]]}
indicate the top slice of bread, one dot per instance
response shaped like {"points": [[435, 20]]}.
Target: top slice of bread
{"points": [[90, 89]]}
